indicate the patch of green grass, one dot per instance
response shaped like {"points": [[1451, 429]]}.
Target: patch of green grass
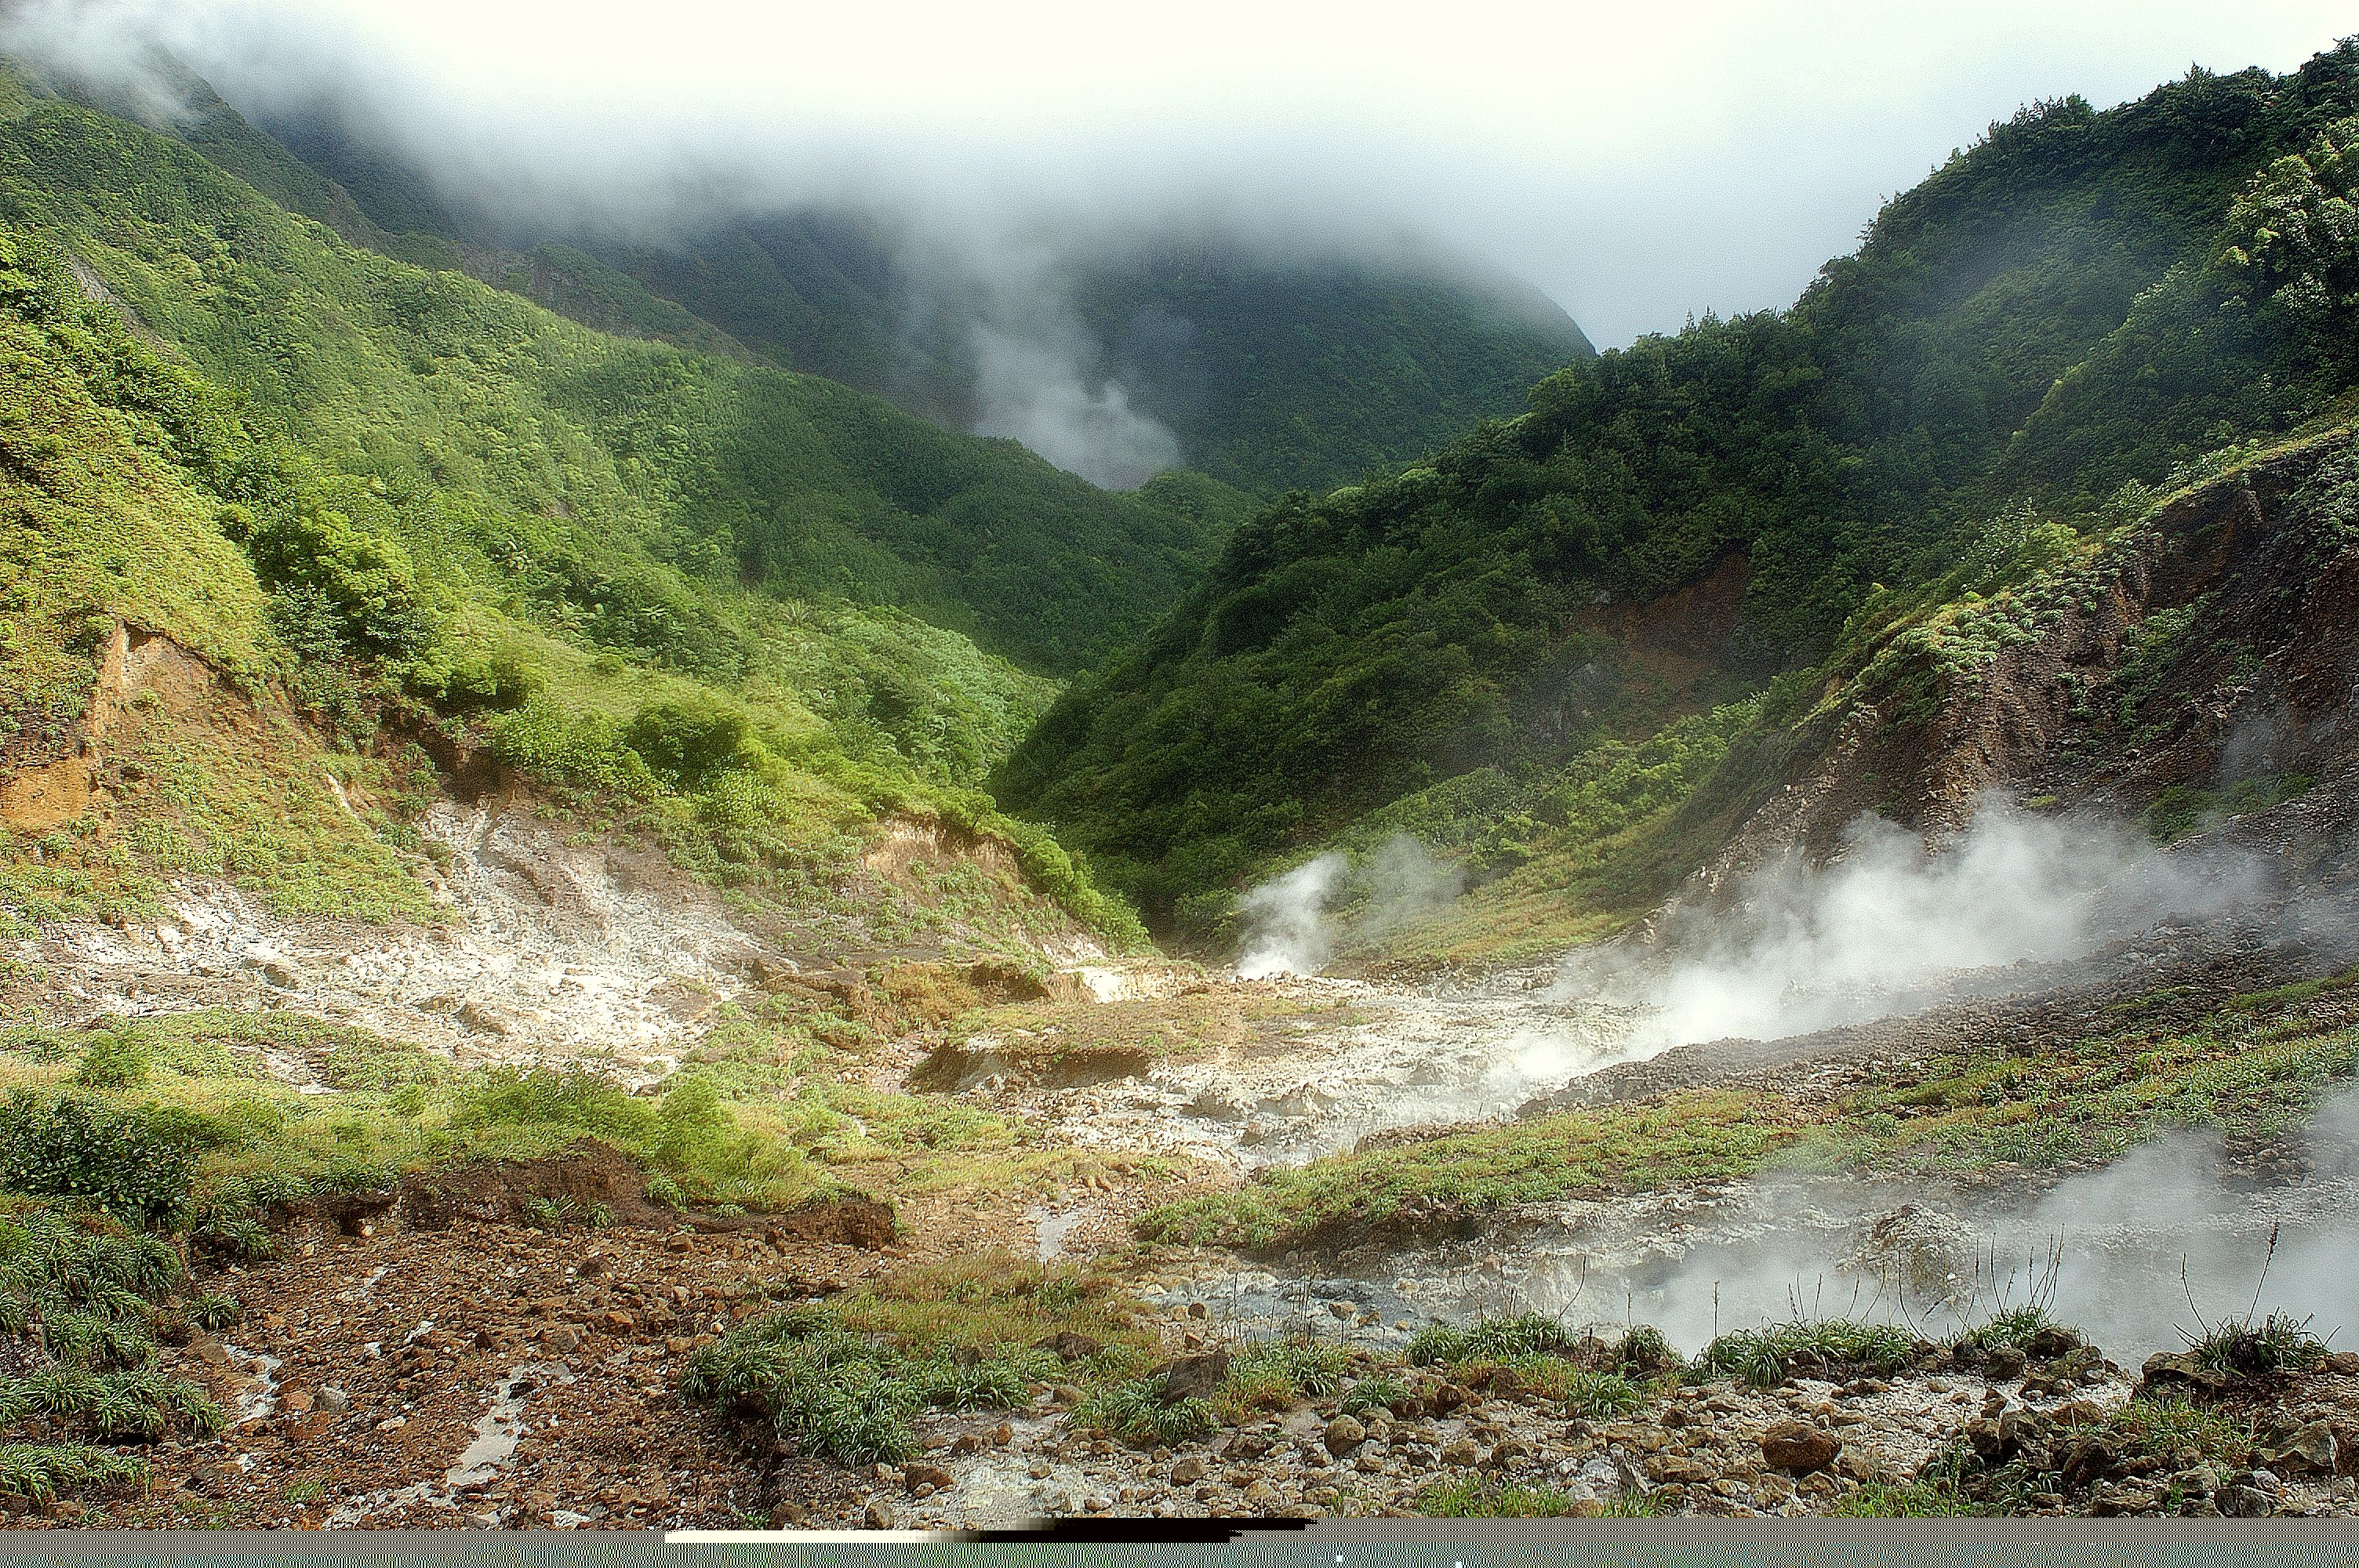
{"points": [[89, 1293], [2182, 809], [2245, 1349], [1375, 1393], [41, 1471], [842, 1391], [1438, 1180], [1477, 1497], [2253, 1069], [1138, 1411], [1766, 1357], [1490, 1338], [1911, 1499], [1277, 1374], [2013, 1326], [2295, 994], [2172, 1427]]}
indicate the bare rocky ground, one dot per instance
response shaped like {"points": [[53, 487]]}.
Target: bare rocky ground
{"points": [[435, 1360], [487, 1376]]}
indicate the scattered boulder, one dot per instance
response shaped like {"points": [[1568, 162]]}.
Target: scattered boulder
{"points": [[2087, 1460], [1068, 1345], [1800, 1448], [1194, 1377], [1343, 1434], [2163, 1369], [2309, 1449]]}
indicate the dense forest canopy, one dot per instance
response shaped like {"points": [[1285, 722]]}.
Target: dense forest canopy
{"points": [[616, 467], [2081, 301], [1271, 371]]}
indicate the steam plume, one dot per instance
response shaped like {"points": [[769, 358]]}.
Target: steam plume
{"points": [[1891, 923]]}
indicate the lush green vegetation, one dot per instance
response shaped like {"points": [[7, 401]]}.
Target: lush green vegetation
{"points": [[2253, 1068], [393, 510], [1281, 376], [2080, 301], [91, 1295], [1274, 374], [1438, 1180], [609, 484], [844, 1381]]}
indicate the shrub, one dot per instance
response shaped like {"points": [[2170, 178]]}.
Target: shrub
{"points": [[112, 1062], [846, 1396], [689, 744], [1765, 1357], [133, 1163], [330, 578], [1137, 1412]]}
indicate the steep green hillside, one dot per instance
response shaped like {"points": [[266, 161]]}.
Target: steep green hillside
{"points": [[1298, 374], [508, 433], [2081, 301], [1274, 373], [351, 520]]}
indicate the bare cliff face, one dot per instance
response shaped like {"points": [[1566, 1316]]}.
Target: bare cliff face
{"points": [[2201, 667]]}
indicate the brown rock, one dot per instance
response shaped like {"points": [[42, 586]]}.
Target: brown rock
{"points": [[1186, 1471], [1800, 1448], [2185, 1371], [1194, 1377], [880, 1515], [1345, 1434], [934, 1476], [1068, 1345], [789, 1515], [2310, 1448]]}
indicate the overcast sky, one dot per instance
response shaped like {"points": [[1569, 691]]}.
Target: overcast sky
{"points": [[1637, 161]]}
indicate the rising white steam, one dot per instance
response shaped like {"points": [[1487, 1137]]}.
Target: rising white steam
{"points": [[1293, 923], [2161, 1243], [1035, 389], [1890, 924], [1285, 920]]}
